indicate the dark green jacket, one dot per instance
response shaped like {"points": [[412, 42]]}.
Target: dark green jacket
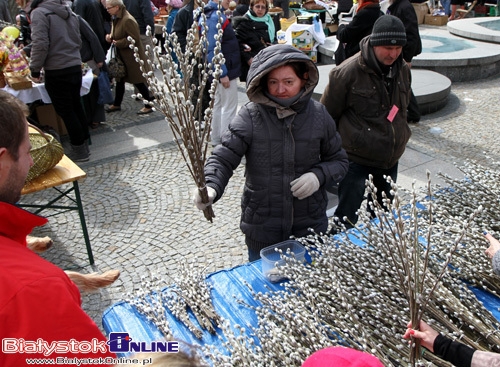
{"points": [[358, 100]]}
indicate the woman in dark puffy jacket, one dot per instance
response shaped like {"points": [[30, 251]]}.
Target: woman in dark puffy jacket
{"points": [[254, 31], [292, 149]]}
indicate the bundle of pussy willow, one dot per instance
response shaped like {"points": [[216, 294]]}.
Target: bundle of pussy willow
{"points": [[362, 287], [185, 75]]}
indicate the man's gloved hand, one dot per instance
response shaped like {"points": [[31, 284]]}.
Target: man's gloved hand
{"points": [[305, 185], [197, 198]]}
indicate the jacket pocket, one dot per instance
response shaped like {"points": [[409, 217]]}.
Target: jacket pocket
{"points": [[369, 138], [317, 204], [365, 101], [355, 134], [402, 135], [254, 206]]}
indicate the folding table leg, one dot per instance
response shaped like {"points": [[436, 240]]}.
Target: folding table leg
{"points": [[82, 221]]}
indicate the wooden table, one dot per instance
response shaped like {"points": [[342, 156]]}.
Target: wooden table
{"points": [[66, 171]]}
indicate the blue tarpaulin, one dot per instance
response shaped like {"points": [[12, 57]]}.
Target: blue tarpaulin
{"points": [[229, 288]]}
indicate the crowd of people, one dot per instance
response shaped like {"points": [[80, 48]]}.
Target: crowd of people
{"points": [[294, 148], [82, 31]]}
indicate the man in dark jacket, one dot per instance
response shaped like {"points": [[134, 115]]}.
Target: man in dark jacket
{"points": [[90, 10], [91, 51], [368, 96], [183, 22], [93, 54], [405, 11]]}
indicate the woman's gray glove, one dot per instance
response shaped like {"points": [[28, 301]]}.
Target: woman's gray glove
{"points": [[305, 185]]}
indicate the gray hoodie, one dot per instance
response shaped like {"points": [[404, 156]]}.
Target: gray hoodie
{"points": [[55, 35]]}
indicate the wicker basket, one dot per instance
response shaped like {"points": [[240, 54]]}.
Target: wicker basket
{"points": [[46, 152], [18, 82]]}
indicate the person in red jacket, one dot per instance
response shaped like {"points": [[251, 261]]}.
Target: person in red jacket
{"points": [[40, 307]]}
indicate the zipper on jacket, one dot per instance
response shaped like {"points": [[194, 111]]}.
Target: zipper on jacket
{"points": [[392, 127], [293, 146]]}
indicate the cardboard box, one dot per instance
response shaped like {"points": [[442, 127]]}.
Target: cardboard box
{"points": [[332, 28], [435, 19], [303, 40], [47, 116], [421, 10], [285, 23]]}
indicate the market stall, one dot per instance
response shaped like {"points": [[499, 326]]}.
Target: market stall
{"points": [[233, 292], [38, 91], [423, 260]]}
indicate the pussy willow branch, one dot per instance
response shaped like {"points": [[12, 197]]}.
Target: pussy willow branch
{"points": [[352, 295], [395, 240], [174, 95]]}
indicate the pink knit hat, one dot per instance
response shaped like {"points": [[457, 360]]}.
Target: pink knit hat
{"points": [[341, 357]]}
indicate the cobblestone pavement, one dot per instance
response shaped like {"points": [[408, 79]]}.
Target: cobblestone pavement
{"points": [[141, 219], [469, 124]]}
